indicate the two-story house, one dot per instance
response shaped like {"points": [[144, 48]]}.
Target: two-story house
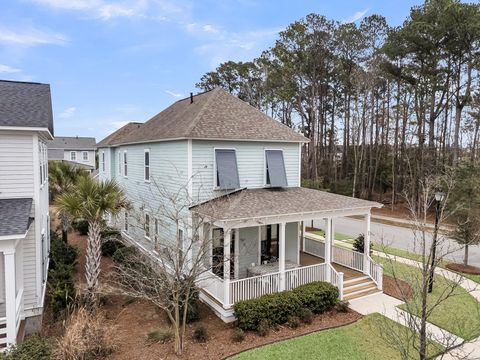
{"points": [[241, 171], [79, 151], [26, 124]]}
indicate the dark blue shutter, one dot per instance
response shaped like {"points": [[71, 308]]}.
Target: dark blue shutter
{"points": [[227, 171], [276, 168]]}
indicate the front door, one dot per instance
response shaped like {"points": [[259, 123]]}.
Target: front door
{"points": [[218, 255]]}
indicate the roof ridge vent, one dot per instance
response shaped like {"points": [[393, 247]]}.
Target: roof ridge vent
{"points": [[191, 98]]}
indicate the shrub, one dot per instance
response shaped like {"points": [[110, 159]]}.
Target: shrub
{"points": [[306, 315], [81, 226], [33, 347], [123, 254], [276, 308], [238, 335], [110, 233], [160, 335], [263, 327], [358, 244], [61, 283], [293, 322], [86, 336], [110, 246], [342, 306], [200, 334]]}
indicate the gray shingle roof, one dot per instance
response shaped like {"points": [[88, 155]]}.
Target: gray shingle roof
{"points": [[72, 143], [254, 203], [14, 216], [25, 104], [213, 115], [56, 154], [118, 136]]}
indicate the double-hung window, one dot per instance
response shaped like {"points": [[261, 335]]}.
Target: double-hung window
{"points": [[226, 170], [119, 158], [146, 164], [103, 161], [275, 173], [125, 166], [85, 155], [73, 155], [147, 226], [125, 222]]}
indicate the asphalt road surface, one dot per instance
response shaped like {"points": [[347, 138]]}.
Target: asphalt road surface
{"points": [[403, 238]]}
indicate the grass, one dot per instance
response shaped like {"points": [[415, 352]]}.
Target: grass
{"points": [[159, 335], [338, 236], [347, 342], [459, 314]]}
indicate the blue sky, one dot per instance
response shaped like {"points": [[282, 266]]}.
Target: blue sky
{"points": [[110, 62]]}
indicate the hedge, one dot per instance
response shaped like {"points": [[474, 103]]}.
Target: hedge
{"points": [[278, 307]]}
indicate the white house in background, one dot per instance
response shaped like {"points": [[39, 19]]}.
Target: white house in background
{"points": [[77, 150], [26, 124], [242, 172]]}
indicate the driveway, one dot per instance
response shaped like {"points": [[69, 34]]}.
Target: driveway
{"points": [[403, 238]]}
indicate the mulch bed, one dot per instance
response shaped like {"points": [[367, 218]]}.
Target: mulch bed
{"points": [[397, 288], [466, 269], [134, 320]]}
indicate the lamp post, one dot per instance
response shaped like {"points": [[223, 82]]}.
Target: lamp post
{"points": [[439, 196]]}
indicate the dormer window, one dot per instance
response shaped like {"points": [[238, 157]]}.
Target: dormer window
{"points": [[226, 170], [275, 173]]}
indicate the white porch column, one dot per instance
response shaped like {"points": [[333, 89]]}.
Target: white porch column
{"points": [[303, 236], [281, 253], [366, 244], [10, 297], [227, 236], [328, 244]]}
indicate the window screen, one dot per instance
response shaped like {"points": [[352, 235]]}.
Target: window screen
{"points": [[227, 171], [276, 175]]}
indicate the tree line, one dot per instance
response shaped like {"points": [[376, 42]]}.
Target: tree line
{"points": [[382, 106]]}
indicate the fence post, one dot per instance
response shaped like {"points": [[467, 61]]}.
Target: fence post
{"points": [[380, 276], [340, 284]]}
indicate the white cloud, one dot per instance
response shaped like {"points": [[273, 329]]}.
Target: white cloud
{"points": [[172, 93], [31, 36], [8, 69], [118, 124], [357, 16], [68, 112], [210, 29]]}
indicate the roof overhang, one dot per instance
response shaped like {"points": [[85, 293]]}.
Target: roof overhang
{"points": [[46, 131]]}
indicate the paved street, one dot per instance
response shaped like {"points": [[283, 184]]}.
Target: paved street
{"points": [[402, 238]]}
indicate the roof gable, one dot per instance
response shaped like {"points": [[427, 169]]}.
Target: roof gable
{"points": [[118, 136], [25, 104]]}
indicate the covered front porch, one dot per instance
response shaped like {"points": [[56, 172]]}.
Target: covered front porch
{"points": [[271, 252]]}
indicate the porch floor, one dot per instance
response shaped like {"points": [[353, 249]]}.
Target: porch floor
{"points": [[348, 274]]}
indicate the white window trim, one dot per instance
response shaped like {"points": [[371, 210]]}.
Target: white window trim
{"points": [[215, 185], [145, 166], [2, 279], [87, 157], [265, 164], [125, 163], [73, 153], [103, 161], [119, 158]]}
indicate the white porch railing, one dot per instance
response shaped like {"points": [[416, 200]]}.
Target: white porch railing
{"points": [[336, 278], [18, 309], [314, 247], [348, 258], [213, 285], [3, 333], [253, 287], [375, 271], [304, 275]]}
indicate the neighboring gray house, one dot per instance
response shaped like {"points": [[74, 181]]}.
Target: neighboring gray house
{"points": [[76, 150], [26, 124], [239, 170]]}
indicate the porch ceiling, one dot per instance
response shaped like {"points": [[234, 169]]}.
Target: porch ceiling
{"points": [[14, 216], [247, 207]]}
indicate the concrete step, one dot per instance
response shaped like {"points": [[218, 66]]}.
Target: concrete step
{"points": [[358, 288], [361, 294]]}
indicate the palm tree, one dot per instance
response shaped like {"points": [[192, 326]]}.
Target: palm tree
{"points": [[92, 201], [61, 178]]}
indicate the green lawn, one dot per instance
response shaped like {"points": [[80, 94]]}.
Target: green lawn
{"points": [[358, 341], [338, 236], [460, 314]]}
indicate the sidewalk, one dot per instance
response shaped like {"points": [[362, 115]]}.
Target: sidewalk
{"points": [[407, 222]]}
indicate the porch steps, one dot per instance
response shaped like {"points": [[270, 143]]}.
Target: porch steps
{"points": [[359, 287]]}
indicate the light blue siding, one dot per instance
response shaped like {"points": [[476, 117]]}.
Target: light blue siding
{"points": [[251, 164], [168, 175]]}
